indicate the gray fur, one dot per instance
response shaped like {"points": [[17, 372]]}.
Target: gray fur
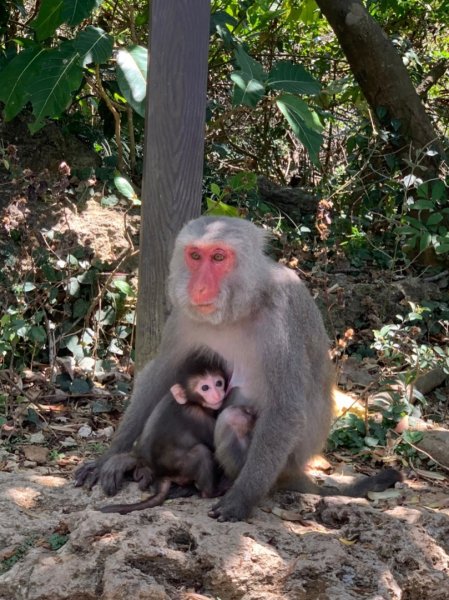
{"points": [[271, 334]]}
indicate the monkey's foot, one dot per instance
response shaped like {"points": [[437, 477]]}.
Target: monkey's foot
{"points": [[230, 508], [87, 475], [143, 475]]}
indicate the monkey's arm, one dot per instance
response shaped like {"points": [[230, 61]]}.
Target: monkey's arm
{"points": [[293, 403], [267, 455], [150, 386]]}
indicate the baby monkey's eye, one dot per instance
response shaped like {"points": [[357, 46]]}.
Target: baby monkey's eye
{"points": [[219, 383], [205, 388]]}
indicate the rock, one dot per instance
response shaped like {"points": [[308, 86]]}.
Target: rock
{"points": [[436, 443], [36, 454], [348, 550]]}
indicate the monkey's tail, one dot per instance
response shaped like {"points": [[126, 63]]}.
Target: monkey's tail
{"points": [[376, 483], [150, 502]]}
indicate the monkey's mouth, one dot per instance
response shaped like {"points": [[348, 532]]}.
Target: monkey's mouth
{"points": [[215, 406], [205, 309]]}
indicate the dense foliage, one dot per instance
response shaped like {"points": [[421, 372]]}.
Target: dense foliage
{"points": [[283, 104]]}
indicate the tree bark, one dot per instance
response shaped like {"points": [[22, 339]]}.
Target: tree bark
{"points": [[432, 77], [379, 70], [174, 152]]}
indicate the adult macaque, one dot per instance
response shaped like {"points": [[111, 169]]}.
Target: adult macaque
{"points": [[229, 296], [177, 442]]}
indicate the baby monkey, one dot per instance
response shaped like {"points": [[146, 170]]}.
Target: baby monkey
{"points": [[177, 442]]}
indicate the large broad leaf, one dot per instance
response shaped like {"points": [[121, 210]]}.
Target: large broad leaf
{"points": [[309, 12], [48, 19], [74, 11], [249, 80], [247, 91], [289, 77], [57, 75], [132, 76], [94, 45], [15, 80], [304, 122], [219, 22]]}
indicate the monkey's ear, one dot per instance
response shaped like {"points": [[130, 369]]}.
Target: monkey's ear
{"points": [[178, 393]]}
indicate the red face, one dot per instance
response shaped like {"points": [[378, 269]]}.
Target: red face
{"points": [[208, 264]]}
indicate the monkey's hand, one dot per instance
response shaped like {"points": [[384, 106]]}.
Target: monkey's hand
{"points": [[97, 471], [87, 475], [232, 507], [112, 474]]}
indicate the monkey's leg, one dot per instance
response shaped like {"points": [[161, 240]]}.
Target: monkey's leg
{"points": [[163, 487], [199, 467], [143, 475]]}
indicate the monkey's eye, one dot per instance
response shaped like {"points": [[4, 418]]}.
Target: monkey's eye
{"points": [[195, 255], [218, 256], [205, 388], [219, 383]]}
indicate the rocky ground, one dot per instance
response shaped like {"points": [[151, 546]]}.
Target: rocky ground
{"points": [[59, 547]]}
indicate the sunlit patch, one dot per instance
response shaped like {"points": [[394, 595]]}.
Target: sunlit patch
{"points": [[49, 480], [109, 538], [24, 497]]}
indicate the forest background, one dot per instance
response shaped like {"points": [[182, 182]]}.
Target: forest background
{"points": [[326, 124]]}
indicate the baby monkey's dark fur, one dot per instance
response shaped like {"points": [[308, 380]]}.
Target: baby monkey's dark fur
{"points": [[177, 443]]}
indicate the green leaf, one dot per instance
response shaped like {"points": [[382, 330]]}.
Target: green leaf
{"points": [[124, 287], [48, 19], [124, 187], [219, 208], [94, 45], [249, 80], [424, 241], [215, 189], [57, 540], [75, 11], [105, 316], [422, 204], [247, 91], [75, 348], [15, 78], [37, 334], [309, 12], [304, 122], [249, 65], [438, 190], [72, 287], [289, 77], [57, 74], [434, 219], [132, 76], [80, 308], [243, 182], [80, 386]]}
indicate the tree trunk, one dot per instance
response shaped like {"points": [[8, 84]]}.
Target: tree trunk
{"points": [[379, 70], [174, 152]]}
